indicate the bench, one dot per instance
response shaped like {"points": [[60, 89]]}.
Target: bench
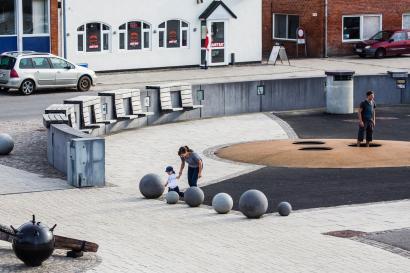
{"points": [[130, 96], [136, 104], [90, 112], [187, 98], [66, 109], [117, 99], [49, 119], [165, 95]]}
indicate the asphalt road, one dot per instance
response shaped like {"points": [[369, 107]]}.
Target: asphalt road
{"points": [[313, 188], [14, 106]]}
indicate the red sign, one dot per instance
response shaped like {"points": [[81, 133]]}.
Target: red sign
{"points": [[218, 44], [93, 42], [300, 33]]}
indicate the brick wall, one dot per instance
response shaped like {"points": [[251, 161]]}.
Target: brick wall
{"points": [[54, 26], [313, 25], [391, 19], [391, 11]]}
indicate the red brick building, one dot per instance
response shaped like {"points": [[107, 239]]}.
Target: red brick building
{"points": [[331, 26]]}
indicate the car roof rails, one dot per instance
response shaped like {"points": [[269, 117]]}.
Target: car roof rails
{"points": [[18, 53]]}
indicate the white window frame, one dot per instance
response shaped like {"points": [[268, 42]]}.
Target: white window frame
{"points": [[287, 26], [402, 20], [21, 15], [16, 16], [143, 31], [361, 26], [84, 34], [181, 29]]}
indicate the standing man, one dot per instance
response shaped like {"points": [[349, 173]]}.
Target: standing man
{"points": [[367, 119]]}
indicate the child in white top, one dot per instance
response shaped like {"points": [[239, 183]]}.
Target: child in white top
{"points": [[172, 181]]}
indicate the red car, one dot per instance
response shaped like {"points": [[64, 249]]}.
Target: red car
{"points": [[385, 43]]}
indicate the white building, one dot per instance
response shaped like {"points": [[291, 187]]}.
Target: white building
{"points": [[135, 34]]}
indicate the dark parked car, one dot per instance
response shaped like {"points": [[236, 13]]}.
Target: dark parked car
{"points": [[385, 43]]}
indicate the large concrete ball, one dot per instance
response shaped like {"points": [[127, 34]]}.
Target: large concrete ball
{"points": [[284, 208], [151, 186], [194, 197], [6, 144], [222, 203], [172, 197], [253, 204]]}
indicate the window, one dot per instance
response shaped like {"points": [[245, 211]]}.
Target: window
{"points": [[41, 63], [7, 18], [26, 63], [93, 37], [173, 34], [399, 36], [360, 27], [135, 35], [7, 63], [406, 21], [35, 17], [285, 26], [59, 63]]}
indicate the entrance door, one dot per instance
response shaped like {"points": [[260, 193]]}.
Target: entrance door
{"points": [[218, 54]]}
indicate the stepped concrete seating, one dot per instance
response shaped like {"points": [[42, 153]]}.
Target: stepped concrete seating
{"points": [[90, 112], [49, 119], [118, 97], [186, 97], [165, 95], [136, 104], [66, 109]]}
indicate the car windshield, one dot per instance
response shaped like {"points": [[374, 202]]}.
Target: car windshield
{"points": [[382, 36], [7, 62]]}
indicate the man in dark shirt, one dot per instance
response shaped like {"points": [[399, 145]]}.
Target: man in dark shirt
{"points": [[367, 119]]}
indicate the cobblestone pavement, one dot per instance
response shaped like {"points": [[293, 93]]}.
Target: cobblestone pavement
{"points": [[139, 235], [30, 147]]}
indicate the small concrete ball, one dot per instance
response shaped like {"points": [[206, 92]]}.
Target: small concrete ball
{"points": [[253, 204], [194, 197], [6, 144], [151, 186], [222, 203], [284, 208], [172, 197]]}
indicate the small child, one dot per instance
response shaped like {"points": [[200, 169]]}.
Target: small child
{"points": [[172, 181]]}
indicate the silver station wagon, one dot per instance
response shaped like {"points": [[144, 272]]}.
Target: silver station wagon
{"points": [[30, 71]]}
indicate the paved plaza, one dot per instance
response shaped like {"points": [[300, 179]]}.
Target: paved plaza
{"points": [[139, 235]]}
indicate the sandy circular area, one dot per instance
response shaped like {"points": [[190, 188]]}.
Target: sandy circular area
{"points": [[284, 153]]}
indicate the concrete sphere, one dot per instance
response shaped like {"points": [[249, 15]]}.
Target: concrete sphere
{"points": [[172, 197], [194, 197], [151, 186], [222, 203], [253, 204], [6, 144], [284, 208]]}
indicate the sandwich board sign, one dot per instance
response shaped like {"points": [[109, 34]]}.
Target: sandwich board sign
{"points": [[278, 52]]}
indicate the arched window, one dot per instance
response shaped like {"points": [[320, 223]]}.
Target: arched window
{"points": [[135, 35], [173, 34], [93, 37]]}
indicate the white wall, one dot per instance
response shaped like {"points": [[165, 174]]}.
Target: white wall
{"points": [[245, 33]]}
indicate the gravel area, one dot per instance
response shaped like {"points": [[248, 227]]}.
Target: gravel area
{"points": [[30, 147]]}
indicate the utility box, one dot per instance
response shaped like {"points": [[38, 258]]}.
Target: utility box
{"points": [[339, 92], [86, 162]]}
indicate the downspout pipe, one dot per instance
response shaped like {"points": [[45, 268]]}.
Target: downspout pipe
{"points": [[326, 19]]}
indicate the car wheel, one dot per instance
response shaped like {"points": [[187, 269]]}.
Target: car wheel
{"points": [[84, 84], [380, 53], [27, 87], [362, 55]]}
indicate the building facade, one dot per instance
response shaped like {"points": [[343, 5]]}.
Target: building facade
{"points": [[29, 25], [138, 34], [331, 26]]}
